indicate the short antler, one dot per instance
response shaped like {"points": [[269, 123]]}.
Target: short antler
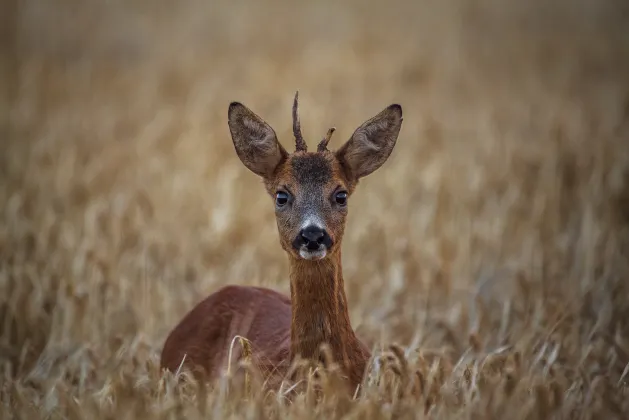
{"points": [[323, 145], [300, 144]]}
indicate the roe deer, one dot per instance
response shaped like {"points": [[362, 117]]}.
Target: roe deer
{"points": [[310, 191]]}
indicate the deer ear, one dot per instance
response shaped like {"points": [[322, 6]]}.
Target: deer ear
{"points": [[254, 140], [372, 143]]}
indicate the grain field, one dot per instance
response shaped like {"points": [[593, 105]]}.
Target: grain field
{"points": [[487, 261]]}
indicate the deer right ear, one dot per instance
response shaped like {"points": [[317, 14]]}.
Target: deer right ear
{"points": [[254, 140], [372, 142]]}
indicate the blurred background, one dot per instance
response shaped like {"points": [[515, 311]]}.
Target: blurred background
{"points": [[503, 209]]}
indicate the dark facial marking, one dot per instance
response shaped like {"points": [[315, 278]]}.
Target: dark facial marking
{"points": [[309, 169]]}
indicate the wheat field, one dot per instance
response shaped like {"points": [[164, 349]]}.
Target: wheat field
{"points": [[488, 259]]}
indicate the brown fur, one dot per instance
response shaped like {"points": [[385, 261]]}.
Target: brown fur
{"points": [[282, 328]]}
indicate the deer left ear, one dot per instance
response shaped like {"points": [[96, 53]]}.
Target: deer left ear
{"points": [[372, 143], [254, 140]]}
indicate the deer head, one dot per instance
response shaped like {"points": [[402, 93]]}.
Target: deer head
{"points": [[311, 189]]}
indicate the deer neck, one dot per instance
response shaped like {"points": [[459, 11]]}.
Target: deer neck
{"points": [[319, 311]]}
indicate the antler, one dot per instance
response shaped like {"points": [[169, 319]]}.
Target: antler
{"points": [[323, 145], [300, 144]]}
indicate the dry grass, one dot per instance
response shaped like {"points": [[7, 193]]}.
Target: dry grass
{"points": [[492, 248]]}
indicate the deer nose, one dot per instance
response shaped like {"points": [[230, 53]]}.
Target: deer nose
{"points": [[313, 234], [313, 237]]}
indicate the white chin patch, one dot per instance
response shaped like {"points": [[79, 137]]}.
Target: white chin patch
{"points": [[312, 255]]}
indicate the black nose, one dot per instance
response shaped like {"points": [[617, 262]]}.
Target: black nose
{"points": [[313, 237], [313, 234]]}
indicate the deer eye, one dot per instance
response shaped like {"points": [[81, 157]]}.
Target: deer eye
{"points": [[281, 198], [341, 198]]}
